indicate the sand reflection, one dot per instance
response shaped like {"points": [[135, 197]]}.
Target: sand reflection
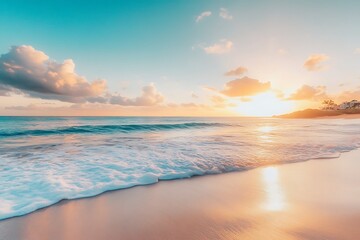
{"points": [[274, 194]]}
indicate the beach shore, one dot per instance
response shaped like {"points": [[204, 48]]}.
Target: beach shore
{"points": [[317, 199]]}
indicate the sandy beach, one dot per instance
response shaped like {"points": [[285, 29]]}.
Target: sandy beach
{"points": [[317, 199]]}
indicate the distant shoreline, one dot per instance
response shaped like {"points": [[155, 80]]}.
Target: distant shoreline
{"points": [[316, 113]]}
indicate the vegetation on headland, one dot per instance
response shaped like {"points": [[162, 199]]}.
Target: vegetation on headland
{"points": [[329, 108], [314, 113]]}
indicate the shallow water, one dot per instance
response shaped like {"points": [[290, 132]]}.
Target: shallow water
{"points": [[44, 160]]}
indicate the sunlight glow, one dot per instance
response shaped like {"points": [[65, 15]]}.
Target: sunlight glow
{"points": [[265, 133], [264, 105], [266, 129], [274, 195]]}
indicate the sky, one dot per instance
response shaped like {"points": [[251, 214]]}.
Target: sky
{"points": [[177, 58]]}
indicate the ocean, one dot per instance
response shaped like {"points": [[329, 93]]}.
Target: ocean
{"points": [[46, 159]]}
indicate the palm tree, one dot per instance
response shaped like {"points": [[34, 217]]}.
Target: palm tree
{"points": [[328, 104]]}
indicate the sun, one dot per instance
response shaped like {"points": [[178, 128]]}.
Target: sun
{"points": [[264, 105]]}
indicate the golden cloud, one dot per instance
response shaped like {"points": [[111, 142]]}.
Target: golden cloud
{"points": [[237, 71], [307, 92], [245, 87], [313, 63]]}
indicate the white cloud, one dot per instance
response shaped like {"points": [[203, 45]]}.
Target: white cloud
{"points": [[224, 13], [32, 72], [223, 46], [203, 15], [149, 97], [25, 70]]}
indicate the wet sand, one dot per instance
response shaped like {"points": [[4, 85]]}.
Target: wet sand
{"points": [[317, 199]]}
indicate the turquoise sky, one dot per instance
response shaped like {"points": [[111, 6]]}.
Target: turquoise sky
{"points": [[134, 43]]}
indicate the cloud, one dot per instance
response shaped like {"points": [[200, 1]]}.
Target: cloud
{"points": [[149, 97], [24, 108], [25, 70], [348, 96], [313, 63], [278, 93], [203, 15], [218, 99], [237, 71], [307, 92], [224, 13], [190, 105], [31, 71], [245, 87], [7, 91], [246, 99], [223, 46], [319, 93], [98, 109]]}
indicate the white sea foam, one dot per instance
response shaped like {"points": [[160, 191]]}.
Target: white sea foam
{"points": [[37, 170]]}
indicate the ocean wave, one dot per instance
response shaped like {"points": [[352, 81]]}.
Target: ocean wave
{"points": [[36, 172], [106, 129], [59, 188]]}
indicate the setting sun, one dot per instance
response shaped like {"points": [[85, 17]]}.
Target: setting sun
{"points": [[264, 105]]}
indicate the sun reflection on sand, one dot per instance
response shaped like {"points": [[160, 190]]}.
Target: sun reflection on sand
{"points": [[274, 194]]}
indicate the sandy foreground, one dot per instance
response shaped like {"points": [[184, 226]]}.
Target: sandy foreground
{"points": [[318, 199]]}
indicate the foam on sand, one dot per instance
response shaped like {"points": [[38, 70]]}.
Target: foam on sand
{"points": [[306, 200]]}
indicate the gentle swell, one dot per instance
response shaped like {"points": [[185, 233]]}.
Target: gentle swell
{"points": [[106, 129]]}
